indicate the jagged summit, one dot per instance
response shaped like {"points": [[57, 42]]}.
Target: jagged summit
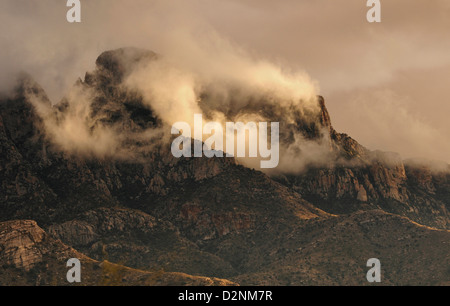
{"points": [[353, 177], [200, 216], [114, 65]]}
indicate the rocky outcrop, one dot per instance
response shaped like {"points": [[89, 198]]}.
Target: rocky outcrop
{"points": [[35, 171], [362, 179], [200, 216], [19, 244], [384, 182], [138, 240], [370, 182], [24, 244], [29, 256]]}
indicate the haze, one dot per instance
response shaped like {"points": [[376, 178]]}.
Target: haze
{"points": [[385, 84]]}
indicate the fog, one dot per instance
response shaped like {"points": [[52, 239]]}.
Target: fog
{"points": [[385, 84]]}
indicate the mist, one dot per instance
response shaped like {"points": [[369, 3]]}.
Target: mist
{"points": [[277, 52]]}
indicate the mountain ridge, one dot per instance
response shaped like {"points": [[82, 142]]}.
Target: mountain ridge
{"points": [[214, 217]]}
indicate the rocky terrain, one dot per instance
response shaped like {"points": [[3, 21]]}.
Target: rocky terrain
{"points": [[32, 257], [366, 179], [152, 218]]}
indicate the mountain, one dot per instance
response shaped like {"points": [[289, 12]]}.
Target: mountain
{"points": [[31, 257], [364, 179], [126, 200]]}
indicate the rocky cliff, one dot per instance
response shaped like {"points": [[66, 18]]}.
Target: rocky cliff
{"points": [[208, 217], [29, 256]]}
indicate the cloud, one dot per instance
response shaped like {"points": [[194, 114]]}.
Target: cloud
{"points": [[385, 122], [73, 130], [210, 72], [245, 48], [203, 73]]}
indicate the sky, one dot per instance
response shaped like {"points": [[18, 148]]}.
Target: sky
{"points": [[385, 84]]}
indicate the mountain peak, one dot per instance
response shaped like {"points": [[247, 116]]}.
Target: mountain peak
{"points": [[114, 65]]}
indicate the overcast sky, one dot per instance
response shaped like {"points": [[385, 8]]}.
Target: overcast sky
{"points": [[387, 84]]}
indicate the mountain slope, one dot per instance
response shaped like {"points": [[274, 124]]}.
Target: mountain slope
{"points": [[335, 251], [365, 179], [129, 201], [31, 257]]}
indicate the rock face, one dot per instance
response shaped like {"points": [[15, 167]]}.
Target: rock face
{"points": [[418, 193], [362, 179], [19, 242], [28, 248], [209, 217], [138, 240]]}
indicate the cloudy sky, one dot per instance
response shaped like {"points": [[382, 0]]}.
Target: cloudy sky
{"points": [[385, 84]]}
